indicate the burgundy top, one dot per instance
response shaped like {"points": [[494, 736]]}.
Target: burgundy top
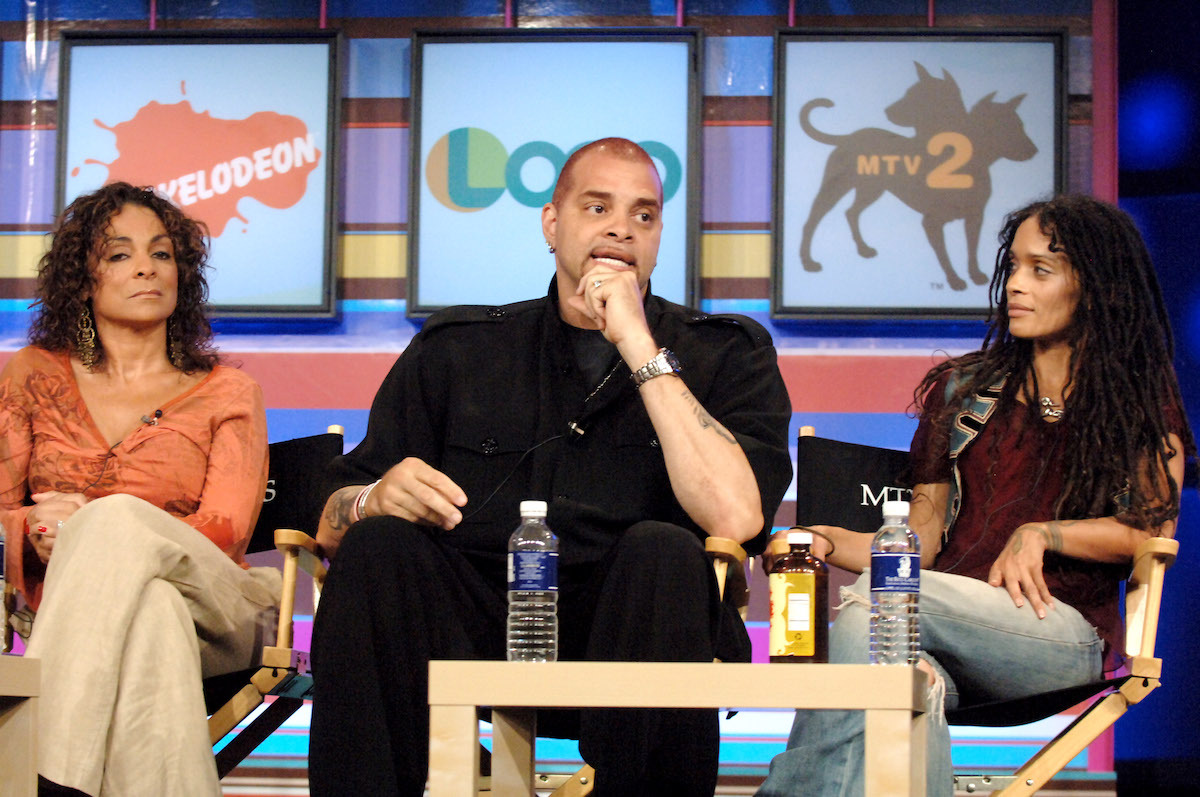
{"points": [[1011, 474]]}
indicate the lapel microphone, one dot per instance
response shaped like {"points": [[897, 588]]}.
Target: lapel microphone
{"points": [[152, 421]]}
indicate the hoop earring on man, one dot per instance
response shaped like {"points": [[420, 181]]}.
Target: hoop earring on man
{"points": [[85, 339]]}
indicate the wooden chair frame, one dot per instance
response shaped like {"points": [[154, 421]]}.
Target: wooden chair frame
{"points": [[1144, 590], [1143, 600], [283, 672]]}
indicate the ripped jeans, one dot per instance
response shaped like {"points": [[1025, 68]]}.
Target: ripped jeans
{"points": [[979, 644]]}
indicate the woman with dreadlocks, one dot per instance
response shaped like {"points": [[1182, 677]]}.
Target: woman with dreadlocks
{"points": [[1030, 512]]}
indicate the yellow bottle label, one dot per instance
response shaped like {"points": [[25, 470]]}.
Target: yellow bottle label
{"points": [[793, 614]]}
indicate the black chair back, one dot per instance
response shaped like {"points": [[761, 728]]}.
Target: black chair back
{"points": [[845, 484], [295, 487]]}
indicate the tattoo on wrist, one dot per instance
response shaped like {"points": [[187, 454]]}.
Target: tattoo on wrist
{"points": [[1053, 534], [1015, 541], [707, 421], [340, 507]]}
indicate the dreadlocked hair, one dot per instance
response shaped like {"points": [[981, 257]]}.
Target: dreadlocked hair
{"points": [[66, 276], [1121, 377]]}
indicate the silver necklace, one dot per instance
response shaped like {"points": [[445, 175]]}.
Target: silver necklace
{"points": [[1050, 409], [604, 381]]}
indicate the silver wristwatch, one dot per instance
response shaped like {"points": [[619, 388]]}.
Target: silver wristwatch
{"points": [[665, 362]]}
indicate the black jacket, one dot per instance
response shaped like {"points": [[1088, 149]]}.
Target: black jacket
{"points": [[486, 394]]}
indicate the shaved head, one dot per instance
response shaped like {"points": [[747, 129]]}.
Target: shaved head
{"points": [[618, 147]]}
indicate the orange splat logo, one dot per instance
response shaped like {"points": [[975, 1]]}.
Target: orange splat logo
{"points": [[207, 165]]}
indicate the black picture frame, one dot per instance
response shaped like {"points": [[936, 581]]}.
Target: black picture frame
{"points": [[285, 84], [989, 95], [541, 113]]}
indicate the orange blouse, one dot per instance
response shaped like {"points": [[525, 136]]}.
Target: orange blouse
{"points": [[205, 461]]}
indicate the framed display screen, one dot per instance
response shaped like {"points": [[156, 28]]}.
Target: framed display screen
{"points": [[495, 116], [237, 129], [897, 157]]}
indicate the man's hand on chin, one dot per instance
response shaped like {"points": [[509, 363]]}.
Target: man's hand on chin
{"points": [[614, 300]]}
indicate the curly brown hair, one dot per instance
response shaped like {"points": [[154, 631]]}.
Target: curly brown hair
{"points": [[66, 279], [1124, 388]]}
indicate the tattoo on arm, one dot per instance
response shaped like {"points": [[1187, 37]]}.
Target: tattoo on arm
{"points": [[340, 507], [707, 421], [1053, 534], [1014, 542]]}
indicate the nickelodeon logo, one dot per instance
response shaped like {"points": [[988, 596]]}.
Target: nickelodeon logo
{"points": [[262, 164], [214, 163], [468, 169]]}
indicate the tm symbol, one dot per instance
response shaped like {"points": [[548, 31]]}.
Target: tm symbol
{"points": [[937, 286]]}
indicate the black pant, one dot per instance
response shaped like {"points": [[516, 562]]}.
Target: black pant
{"points": [[398, 596]]}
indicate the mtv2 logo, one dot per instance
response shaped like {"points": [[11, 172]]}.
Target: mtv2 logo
{"points": [[885, 493], [942, 171]]}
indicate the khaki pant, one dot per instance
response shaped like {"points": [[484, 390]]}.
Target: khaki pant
{"points": [[137, 608]]}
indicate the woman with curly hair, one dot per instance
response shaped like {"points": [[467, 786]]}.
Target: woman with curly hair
{"points": [[1039, 464], [133, 470]]}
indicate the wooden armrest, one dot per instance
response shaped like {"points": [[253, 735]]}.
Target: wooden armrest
{"points": [[300, 552], [9, 597], [1143, 594], [311, 553], [292, 538], [1151, 553], [724, 548], [729, 559]]}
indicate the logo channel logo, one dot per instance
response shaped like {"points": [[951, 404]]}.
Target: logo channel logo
{"points": [[468, 169]]}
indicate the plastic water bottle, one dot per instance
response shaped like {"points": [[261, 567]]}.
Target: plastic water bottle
{"points": [[533, 587], [895, 588]]}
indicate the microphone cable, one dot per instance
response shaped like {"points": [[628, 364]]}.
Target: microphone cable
{"points": [[147, 421], [504, 481]]}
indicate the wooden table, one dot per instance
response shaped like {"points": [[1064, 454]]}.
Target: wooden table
{"points": [[20, 684], [892, 697]]}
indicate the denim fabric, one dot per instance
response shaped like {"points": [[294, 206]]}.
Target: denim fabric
{"points": [[980, 644]]}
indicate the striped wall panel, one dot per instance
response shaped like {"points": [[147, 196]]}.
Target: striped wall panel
{"points": [[851, 381]]}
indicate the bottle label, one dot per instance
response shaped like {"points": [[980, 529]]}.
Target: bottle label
{"points": [[533, 571], [793, 618], [895, 572]]}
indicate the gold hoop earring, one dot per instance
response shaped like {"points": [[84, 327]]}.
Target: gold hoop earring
{"points": [[85, 339]]}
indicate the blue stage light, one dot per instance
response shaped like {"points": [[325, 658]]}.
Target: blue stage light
{"points": [[1157, 122]]}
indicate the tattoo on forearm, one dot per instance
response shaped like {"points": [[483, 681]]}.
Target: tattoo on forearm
{"points": [[707, 421], [1053, 534], [338, 510]]}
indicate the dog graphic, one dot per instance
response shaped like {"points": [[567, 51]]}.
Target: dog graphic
{"points": [[942, 172]]}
